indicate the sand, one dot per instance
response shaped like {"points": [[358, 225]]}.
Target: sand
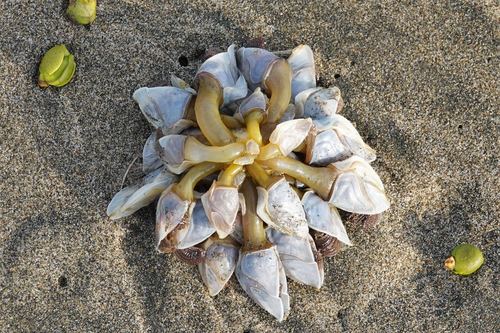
{"points": [[420, 82]]}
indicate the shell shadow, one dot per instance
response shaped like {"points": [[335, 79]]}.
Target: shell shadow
{"points": [[146, 266]]}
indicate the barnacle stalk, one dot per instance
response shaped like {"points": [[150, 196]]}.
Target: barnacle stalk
{"points": [[279, 83], [184, 189], [257, 172], [206, 107], [230, 122], [196, 152], [254, 235], [253, 120], [319, 179], [228, 175], [269, 151]]}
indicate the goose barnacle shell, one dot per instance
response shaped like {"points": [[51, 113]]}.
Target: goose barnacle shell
{"points": [[290, 134], [172, 152], [220, 261], [358, 188], [223, 67], [337, 141], [255, 64], [237, 233], [150, 157], [303, 69], [299, 258], [261, 274], [279, 206], [172, 213], [325, 147], [163, 107], [252, 149], [199, 228], [255, 101], [324, 217], [130, 199], [319, 104], [221, 204]]}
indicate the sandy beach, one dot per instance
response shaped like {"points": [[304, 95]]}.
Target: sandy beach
{"points": [[419, 81]]}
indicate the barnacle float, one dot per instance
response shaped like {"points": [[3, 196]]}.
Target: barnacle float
{"points": [[250, 168]]}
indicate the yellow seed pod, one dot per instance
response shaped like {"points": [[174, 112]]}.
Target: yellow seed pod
{"points": [[57, 67], [82, 11]]}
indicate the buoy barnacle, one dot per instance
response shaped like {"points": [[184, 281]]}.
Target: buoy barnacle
{"points": [[279, 163]]}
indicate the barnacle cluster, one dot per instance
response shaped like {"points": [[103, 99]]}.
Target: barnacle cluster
{"points": [[250, 168]]}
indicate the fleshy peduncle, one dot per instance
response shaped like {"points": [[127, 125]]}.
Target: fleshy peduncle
{"points": [[228, 175], [184, 189], [321, 180], [206, 107], [269, 151], [254, 235], [197, 152], [253, 120], [259, 175], [279, 84]]}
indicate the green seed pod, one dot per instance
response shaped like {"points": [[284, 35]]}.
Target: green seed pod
{"points": [[82, 11], [465, 259], [57, 67]]}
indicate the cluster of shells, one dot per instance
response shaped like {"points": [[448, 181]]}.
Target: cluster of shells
{"points": [[251, 167]]}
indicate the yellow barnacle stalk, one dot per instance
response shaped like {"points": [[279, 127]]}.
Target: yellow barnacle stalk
{"points": [[253, 227], [184, 189], [253, 120], [206, 107], [227, 177], [319, 179], [279, 84], [196, 152]]}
